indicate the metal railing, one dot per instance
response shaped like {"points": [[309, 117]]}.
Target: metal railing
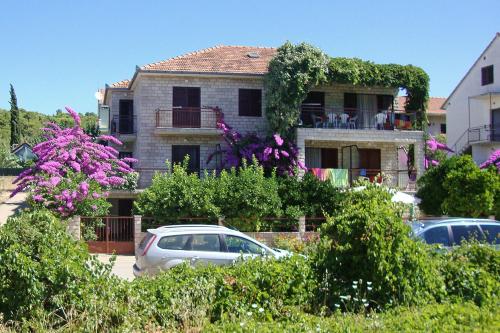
{"points": [[123, 124], [353, 118], [206, 117], [477, 134], [111, 228]]}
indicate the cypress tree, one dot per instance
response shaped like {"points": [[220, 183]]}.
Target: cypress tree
{"points": [[15, 131]]}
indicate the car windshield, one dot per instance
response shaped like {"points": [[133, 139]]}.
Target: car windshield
{"points": [[237, 244]]}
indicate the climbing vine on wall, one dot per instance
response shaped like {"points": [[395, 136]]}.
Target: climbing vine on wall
{"points": [[297, 68]]}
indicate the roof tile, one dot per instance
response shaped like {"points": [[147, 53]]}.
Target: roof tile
{"points": [[218, 59]]}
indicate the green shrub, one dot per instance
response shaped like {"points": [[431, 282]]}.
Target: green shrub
{"points": [[307, 245], [366, 251], [428, 318], [177, 193], [458, 187], [307, 196], [43, 270], [471, 191], [264, 287], [245, 195], [472, 273]]}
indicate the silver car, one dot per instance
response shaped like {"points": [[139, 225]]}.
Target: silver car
{"points": [[452, 231], [169, 246]]}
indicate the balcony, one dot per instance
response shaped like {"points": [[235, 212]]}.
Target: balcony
{"points": [[188, 121], [124, 127], [356, 119]]}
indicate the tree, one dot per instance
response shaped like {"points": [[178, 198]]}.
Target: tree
{"points": [[73, 173], [15, 133]]}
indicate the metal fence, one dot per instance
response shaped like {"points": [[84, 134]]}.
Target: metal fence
{"points": [[10, 171]]}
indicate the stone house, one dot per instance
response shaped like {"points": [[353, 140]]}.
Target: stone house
{"points": [[169, 109]]}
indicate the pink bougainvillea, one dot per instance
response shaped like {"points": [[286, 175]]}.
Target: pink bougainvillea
{"points": [[272, 152], [72, 172], [434, 146], [493, 160]]}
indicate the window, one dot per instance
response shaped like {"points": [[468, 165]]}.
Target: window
{"points": [[177, 242], [350, 101], [492, 233], [186, 97], [465, 232], [180, 152], [206, 243], [487, 75], [240, 245], [250, 102], [438, 235], [384, 102], [329, 158], [443, 128], [125, 117]]}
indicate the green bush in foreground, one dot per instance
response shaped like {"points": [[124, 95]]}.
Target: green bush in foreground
{"points": [[429, 318], [368, 259], [472, 273], [49, 282]]}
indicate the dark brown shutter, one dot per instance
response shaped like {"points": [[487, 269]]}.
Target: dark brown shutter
{"points": [[329, 158], [186, 97], [250, 102], [487, 75]]}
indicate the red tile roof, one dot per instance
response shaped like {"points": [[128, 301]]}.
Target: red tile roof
{"points": [[434, 106], [218, 59], [120, 84]]}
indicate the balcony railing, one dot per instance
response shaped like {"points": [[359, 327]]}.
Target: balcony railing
{"points": [[350, 118], [188, 118], [123, 124], [475, 135]]}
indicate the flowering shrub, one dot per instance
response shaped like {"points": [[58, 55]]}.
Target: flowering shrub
{"points": [[493, 160], [436, 151], [272, 152], [73, 173]]}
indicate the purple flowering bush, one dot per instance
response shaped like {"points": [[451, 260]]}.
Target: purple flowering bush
{"points": [[436, 151], [493, 160], [73, 173], [272, 152]]}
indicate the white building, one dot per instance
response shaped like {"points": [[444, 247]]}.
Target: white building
{"points": [[473, 108]]}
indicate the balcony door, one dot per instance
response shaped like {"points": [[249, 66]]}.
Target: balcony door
{"points": [[179, 152], [186, 111], [495, 125], [369, 162], [126, 116]]}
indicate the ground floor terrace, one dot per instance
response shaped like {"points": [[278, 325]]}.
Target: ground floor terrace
{"points": [[366, 154]]}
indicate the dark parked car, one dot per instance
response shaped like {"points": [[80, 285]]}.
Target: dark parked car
{"points": [[453, 231]]}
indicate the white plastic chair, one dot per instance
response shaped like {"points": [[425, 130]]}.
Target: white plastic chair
{"points": [[343, 120]]}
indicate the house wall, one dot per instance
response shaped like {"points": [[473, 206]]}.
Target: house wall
{"points": [[435, 121], [466, 111]]}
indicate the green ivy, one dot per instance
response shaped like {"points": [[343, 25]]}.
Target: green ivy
{"points": [[297, 68]]}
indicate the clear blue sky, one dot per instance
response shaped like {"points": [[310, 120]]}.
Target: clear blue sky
{"points": [[58, 53]]}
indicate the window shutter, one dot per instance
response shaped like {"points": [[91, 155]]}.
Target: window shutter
{"points": [[250, 102]]}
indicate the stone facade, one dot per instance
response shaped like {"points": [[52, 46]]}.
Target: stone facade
{"points": [[155, 91]]}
